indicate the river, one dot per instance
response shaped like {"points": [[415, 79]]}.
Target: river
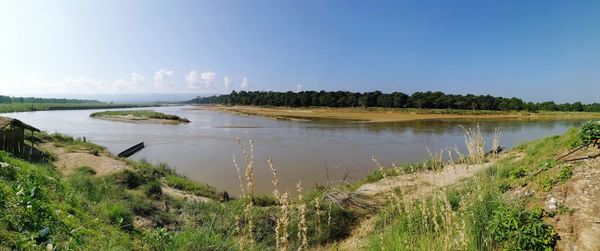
{"points": [[311, 152]]}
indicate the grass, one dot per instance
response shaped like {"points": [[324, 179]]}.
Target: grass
{"points": [[187, 185], [477, 214], [128, 210], [139, 114], [26, 107]]}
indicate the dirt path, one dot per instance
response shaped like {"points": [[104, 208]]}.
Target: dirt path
{"points": [[69, 161]]}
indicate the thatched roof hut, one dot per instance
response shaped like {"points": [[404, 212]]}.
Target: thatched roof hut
{"points": [[12, 134], [6, 122]]}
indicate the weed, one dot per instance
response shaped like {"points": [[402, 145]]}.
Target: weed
{"points": [[517, 172], [565, 173], [153, 189]]}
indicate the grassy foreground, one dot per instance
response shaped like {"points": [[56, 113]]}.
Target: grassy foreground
{"points": [[394, 114], [41, 209], [139, 115]]}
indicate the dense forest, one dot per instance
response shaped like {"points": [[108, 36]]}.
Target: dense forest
{"points": [[428, 100], [31, 100]]}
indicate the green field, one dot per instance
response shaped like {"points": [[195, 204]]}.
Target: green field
{"points": [[26, 107]]}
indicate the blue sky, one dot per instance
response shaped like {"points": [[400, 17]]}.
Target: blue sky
{"points": [[537, 50]]}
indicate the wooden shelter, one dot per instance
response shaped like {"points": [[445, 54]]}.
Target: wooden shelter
{"points": [[12, 134]]}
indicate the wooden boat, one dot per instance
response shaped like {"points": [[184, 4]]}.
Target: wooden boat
{"points": [[131, 151]]}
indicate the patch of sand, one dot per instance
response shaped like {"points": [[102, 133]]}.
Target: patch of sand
{"points": [[387, 114], [178, 194], [137, 119], [67, 162]]}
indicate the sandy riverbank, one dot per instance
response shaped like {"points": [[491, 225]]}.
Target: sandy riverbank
{"points": [[390, 115]]}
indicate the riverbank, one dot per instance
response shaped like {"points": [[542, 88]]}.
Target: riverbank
{"points": [[31, 107], [391, 114], [140, 116], [82, 197]]}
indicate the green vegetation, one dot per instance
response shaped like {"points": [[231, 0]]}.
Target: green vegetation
{"points": [[14, 104], [421, 100], [590, 132], [139, 114], [480, 213], [187, 185], [128, 210]]}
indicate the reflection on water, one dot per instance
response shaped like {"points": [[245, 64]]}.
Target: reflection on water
{"points": [[302, 151]]}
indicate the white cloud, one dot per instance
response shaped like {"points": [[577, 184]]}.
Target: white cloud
{"points": [[202, 80], [227, 81], [299, 88], [164, 78], [136, 80], [82, 83], [244, 84]]}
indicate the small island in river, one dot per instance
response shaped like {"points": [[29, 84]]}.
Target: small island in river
{"points": [[144, 116]]}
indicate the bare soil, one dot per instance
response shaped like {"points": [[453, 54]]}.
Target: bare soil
{"points": [[388, 114], [69, 161]]}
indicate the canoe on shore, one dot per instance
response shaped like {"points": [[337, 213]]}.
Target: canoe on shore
{"points": [[131, 151]]}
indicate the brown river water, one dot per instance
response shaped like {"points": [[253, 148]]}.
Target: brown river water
{"points": [[301, 151]]}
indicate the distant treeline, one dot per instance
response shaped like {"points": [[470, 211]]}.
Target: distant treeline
{"points": [[31, 100], [22, 104], [428, 100]]}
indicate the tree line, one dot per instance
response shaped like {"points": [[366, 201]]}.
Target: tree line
{"points": [[426, 100], [31, 100]]}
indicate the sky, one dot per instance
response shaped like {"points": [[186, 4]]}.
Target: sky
{"points": [[535, 50]]}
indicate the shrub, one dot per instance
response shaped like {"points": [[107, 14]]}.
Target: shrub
{"points": [[153, 188], [521, 229], [119, 214], [132, 179], [547, 183], [565, 173], [590, 131], [517, 172], [141, 206], [95, 151]]}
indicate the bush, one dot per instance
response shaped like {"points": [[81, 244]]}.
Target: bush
{"points": [[565, 173], [153, 188], [132, 179], [119, 214], [590, 132], [547, 183], [517, 172], [521, 229]]}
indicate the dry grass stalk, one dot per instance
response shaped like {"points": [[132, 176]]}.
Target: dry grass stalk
{"points": [[283, 222], [275, 178], [239, 173], [318, 213], [475, 144], [249, 191], [496, 142], [374, 159], [302, 228]]}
